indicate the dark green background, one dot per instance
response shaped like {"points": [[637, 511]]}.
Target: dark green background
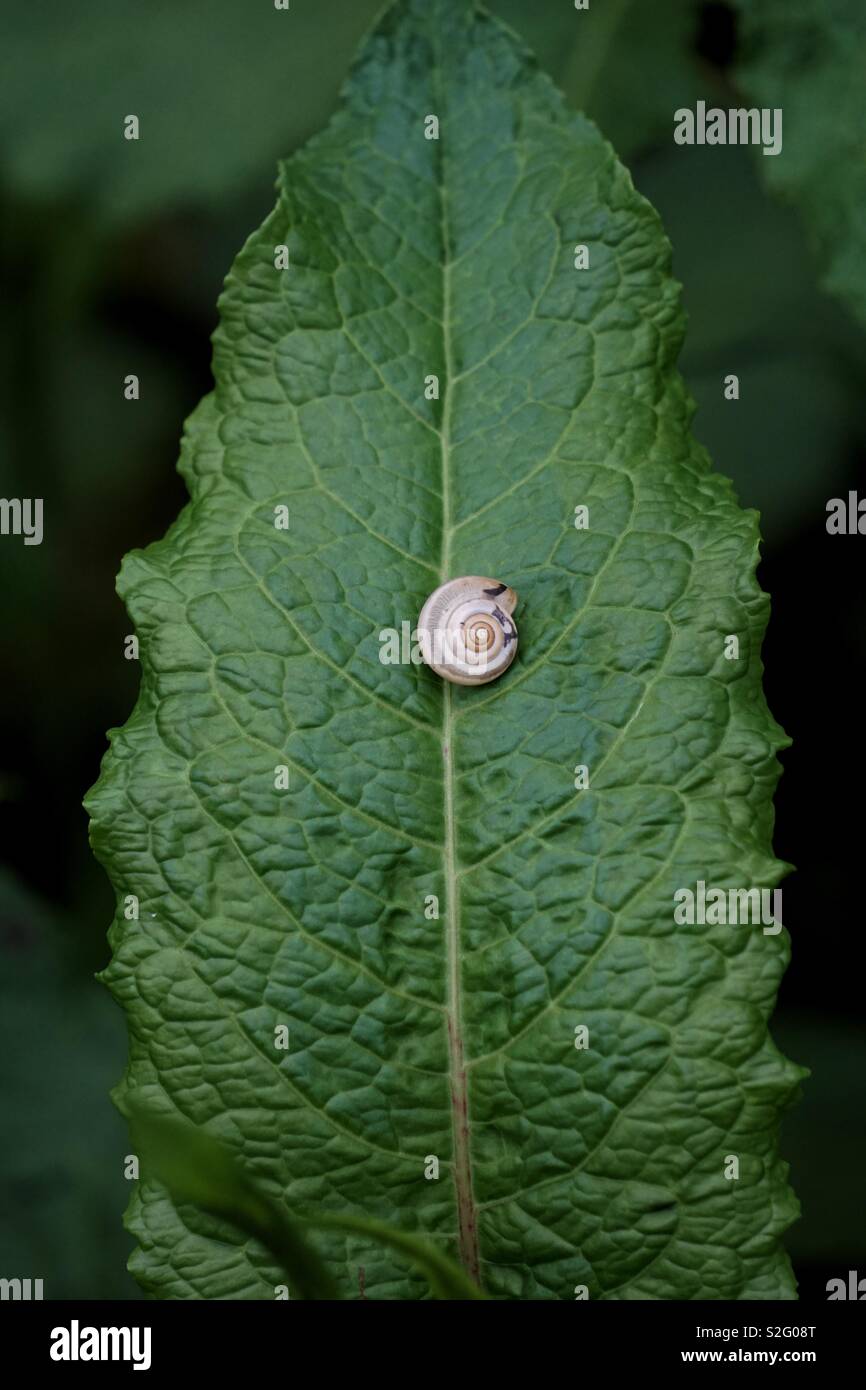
{"points": [[113, 254]]}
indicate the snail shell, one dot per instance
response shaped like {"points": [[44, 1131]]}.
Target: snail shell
{"points": [[466, 632]]}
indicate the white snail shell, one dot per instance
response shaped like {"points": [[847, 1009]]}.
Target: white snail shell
{"points": [[466, 632]]}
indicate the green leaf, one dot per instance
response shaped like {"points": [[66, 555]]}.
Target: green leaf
{"points": [[415, 1037], [807, 57]]}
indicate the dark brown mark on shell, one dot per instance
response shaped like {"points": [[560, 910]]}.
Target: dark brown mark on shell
{"points": [[509, 631]]}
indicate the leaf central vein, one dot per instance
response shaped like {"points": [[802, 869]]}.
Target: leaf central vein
{"points": [[466, 1212]]}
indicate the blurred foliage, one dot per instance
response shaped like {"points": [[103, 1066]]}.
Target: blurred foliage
{"points": [[755, 310], [226, 87], [113, 253], [808, 57], [824, 1139], [62, 1190]]}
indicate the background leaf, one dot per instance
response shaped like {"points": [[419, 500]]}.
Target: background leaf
{"points": [[237, 84], [62, 1190], [786, 440], [808, 57]]}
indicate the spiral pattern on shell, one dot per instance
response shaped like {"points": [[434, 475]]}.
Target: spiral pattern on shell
{"points": [[466, 632]]}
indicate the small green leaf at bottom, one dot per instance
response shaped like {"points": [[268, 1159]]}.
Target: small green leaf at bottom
{"points": [[196, 1168]]}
